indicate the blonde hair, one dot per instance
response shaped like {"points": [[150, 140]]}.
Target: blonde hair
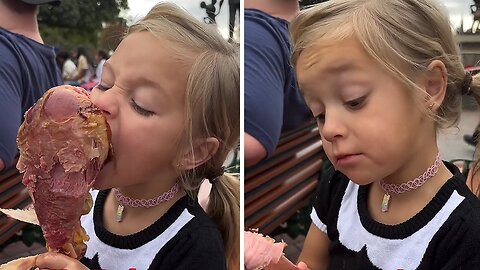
{"points": [[402, 36], [212, 109]]}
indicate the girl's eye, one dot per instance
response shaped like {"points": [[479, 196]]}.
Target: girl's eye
{"points": [[139, 109], [357, 103], [102, 87]]}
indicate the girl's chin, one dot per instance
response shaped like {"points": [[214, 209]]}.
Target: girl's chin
{"points": [[362, 183], [100, 182], [360, 179], [98, 185]]}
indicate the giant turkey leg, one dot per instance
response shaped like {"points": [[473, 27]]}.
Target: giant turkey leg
{"points": [[63, 142]]}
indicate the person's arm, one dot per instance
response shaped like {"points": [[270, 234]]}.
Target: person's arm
{"points": [[81, 68], [254, 148], [2, 165], [80, 74], [264, 68], [315, 249], [315, 252]]}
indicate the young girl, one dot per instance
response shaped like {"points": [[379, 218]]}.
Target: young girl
{"points": [[381, 77], [171, 96]]}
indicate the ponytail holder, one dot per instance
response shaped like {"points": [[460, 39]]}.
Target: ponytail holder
{"points": [[466, 84], [213, 176]]}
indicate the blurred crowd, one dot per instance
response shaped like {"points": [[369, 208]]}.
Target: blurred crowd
{"points": [[79, 69]]}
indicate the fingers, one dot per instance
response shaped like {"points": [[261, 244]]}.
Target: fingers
{"points": [[51, 260]]}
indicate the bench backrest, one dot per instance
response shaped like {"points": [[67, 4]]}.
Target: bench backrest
{"points": [[13, 194], [279, 186]]}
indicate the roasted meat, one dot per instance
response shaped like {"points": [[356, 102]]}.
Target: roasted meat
{"points": [[261, 252], [63, 142]]}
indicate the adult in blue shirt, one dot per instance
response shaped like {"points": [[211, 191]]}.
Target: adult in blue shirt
{"points": [[27, 69], [273, 103]]}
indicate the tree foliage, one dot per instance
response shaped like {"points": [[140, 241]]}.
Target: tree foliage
{"points": [[74, 23]]}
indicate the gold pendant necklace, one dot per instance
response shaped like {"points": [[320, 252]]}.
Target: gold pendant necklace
{"points": [[385, 202]]}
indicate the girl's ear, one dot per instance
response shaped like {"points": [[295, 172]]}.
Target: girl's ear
{"points": [[435, 83], [203, 150]]}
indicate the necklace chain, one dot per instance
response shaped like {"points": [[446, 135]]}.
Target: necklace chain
{"points": [[410, 185], [146, 203], [415, 183]]}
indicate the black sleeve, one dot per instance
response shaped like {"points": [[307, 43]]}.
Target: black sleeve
{"points": [[459, 241], [201, 248], [330, 187]]}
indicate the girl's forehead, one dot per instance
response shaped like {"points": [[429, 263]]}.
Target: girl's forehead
{"points": [[142, 52], [144, 40], [143, 59], [320, 58]]}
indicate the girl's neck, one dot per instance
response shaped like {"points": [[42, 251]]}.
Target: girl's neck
{"points": [[404, 206], [23, 21], [415, 166], [134, 219], [151, 188]]}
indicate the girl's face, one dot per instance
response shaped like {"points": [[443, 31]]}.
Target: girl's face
{"points": [[367, 119], [142, 93]]}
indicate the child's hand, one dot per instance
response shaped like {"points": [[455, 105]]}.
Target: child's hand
{"points": [[51, 260]]}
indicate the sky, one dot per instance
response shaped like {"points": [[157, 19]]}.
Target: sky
{"points": [[139, 8], [457, 10]]}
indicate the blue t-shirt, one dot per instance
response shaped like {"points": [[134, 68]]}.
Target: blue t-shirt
{"points": [[27, 70], [273, 103]]}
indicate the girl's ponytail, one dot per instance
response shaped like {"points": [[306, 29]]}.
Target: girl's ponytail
{"points": [[224, 209]]}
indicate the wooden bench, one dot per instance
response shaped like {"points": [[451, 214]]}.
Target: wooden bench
{"points": [[278, 187], [13, 194]]}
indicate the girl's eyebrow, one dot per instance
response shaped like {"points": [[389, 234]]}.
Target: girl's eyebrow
{"points": [[143, 80], [336, 69]]}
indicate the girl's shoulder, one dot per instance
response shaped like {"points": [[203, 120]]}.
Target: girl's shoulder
{"points": [[198, 245], [458, 241]]}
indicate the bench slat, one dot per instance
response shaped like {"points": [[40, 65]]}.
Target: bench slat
{"points": [[288, 141], [252, 183], [13, 194], [278, 187], [282, 185], [279, 210]]}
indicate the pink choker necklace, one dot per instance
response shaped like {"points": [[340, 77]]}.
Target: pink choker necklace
{"points": [[410, 185], [145, 203]]}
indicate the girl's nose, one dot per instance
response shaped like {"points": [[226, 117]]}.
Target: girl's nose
{"points": [[333, 127], [105, 101]]}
